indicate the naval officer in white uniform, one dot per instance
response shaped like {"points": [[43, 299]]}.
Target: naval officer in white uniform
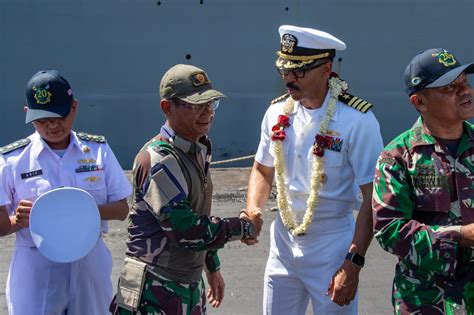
{"points": [[316, 131], [52, 157]]}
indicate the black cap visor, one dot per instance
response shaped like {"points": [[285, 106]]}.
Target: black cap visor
{"points": [[452, 75]]}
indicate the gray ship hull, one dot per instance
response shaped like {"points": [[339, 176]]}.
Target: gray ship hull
{"points": [[114, 53]]}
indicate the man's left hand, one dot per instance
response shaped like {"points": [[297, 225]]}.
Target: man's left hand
{"points": [[343, 285], [215, 293]]}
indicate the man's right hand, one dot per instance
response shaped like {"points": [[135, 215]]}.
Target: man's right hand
{"points": [[22, 214], [467, 235], [255, 217]]}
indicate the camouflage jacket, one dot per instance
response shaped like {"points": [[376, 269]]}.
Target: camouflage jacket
{"points": [[422, 196], [170, 224]]}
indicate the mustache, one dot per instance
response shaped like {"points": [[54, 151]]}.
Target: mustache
{"points": [[292, 86]]}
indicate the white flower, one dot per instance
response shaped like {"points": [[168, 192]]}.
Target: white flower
{"points": [[336, 86]]}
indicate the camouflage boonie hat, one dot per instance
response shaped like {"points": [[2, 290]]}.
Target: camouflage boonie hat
{"points": [[188, 83]]}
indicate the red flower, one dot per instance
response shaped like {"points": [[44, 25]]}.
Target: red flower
{"points": [[321, 142], [333, 75], [283, 121], [278, 132], [278, 135]]}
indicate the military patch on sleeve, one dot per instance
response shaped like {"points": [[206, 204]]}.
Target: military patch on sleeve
{"points": [[15, 145], [167, 186], [89, 137], [280, 98], [355, 102]]}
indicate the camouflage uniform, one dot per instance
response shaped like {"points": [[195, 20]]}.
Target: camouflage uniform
{"points": [[422, 196], [170, 224]]}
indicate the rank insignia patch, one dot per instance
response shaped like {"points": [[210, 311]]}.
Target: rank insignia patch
{"points": [[42, 96]]}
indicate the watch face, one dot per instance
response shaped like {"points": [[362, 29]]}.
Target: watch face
{"points": [[358, 259], [250, 231]]}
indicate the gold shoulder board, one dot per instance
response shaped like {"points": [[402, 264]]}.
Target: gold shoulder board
{"points": [[89, 137], [280, 98], [15, 145], [355, 102]]}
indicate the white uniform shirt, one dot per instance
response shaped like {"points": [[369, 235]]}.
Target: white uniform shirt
{"points": [[354, 164], [35, 169], [3, 195]]}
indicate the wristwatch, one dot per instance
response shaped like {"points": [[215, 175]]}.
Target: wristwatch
{"points": [[356, 259], [248, 230]]}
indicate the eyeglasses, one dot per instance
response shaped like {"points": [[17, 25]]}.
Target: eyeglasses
{"points": [[300, 73], [197, 108]]}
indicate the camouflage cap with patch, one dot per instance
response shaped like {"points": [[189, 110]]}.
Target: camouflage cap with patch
{"points": [[188, 83], [301, 46], [432, 68], [48, 95]]}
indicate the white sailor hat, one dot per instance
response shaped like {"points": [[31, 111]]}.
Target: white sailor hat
{"points": [[301, 46]]}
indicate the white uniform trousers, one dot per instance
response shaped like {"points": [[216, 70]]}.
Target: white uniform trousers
{"points": [[300, 268], [37, 286]]}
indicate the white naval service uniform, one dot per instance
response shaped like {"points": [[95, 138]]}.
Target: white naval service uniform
{"points": [[300, 268], [36, 285]]}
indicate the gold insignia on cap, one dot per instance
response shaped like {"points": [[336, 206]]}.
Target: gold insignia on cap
{"points": [[199, 78], [42, 96], [288, 43], [445, 58], [86, 149]]}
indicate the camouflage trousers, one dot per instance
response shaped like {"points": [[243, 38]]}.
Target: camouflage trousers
{"points": [[432, 295], [166, 297]]}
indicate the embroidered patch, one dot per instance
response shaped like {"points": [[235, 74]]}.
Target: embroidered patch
{"points": [[87, 168], [199, 78], [288, 43], [430, 181], [42, 96], [424, 169], [31, 174], [445, 58]]}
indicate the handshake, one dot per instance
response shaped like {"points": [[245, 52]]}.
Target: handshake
{"points": [[251, 224]]}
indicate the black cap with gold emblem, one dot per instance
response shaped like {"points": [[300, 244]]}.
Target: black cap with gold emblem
{"points": [[302, 46], [48, 95]]}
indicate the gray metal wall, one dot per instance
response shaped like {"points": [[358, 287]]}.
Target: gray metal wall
{"points": [[114, 52]]}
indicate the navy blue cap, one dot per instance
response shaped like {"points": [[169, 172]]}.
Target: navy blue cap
{"points": [[431, 68], [48, 95]]}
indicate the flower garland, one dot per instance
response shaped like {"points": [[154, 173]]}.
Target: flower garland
{"points": [[336, 86]]}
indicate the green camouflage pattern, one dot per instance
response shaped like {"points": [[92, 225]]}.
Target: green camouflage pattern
{"points": [[422, 195], [163, 296]]}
